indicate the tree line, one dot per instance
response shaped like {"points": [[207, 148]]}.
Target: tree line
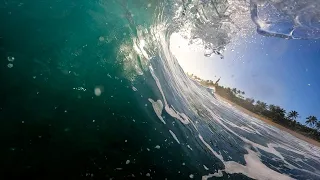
{"points": [[311, 128]]}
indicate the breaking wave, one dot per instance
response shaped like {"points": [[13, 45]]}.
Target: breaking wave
{"points": [[241, 143], [69, 47]]}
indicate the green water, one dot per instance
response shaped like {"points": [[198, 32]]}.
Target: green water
{"points": [[52, 123], [49, 128]]}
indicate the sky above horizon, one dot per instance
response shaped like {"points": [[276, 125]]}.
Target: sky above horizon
{"points": [[274, 70]]}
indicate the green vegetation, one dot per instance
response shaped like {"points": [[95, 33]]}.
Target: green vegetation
{"points": [[273, 112]]}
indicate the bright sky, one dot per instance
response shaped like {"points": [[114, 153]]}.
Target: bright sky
{"points": [[276, 71]]}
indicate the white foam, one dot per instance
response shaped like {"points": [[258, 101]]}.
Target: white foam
{"points": [[254, 168], [183, 118], [189, 147], [276, 133], [270, 149], [175, 114], [76, 88], [157, 107], [134, 88], [244, 128], [217, 174], [219, 156], [174, 136]]}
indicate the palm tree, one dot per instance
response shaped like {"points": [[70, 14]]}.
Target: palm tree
{"points": [[277, 113], [311, 120], [281, 113], [318, 125], [261, 106], [249, 100], [234, 90], [292, 115], [264, 105], [272, 107]]}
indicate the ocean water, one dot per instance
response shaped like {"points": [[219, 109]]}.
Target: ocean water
{"points": [[91, 90]]}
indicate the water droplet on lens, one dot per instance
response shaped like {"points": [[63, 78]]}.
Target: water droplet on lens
{"points": [[97, 91]]}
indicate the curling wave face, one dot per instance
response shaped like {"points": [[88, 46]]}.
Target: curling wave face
{"points": [[241, 143]]}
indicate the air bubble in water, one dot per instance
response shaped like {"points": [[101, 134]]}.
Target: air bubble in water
{"points": [[10, 58], [101, 38], [10, 65]]}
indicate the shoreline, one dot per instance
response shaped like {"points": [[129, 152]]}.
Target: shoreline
{"points": [[270, 122]]}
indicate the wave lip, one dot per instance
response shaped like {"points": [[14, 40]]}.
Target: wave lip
{"points": [[288, 19]]}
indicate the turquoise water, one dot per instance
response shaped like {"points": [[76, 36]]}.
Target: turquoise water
{"points": [[90, 90]]}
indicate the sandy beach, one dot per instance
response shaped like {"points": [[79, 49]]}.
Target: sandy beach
{"points": [[270, 122]]}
